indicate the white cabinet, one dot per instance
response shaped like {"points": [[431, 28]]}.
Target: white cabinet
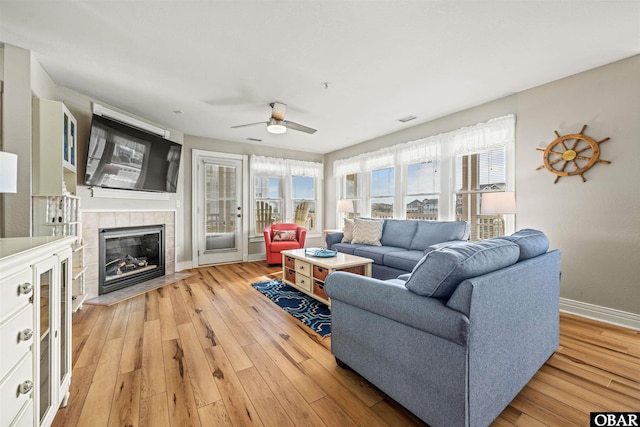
{"points": [[54, 148], [35, 328]]}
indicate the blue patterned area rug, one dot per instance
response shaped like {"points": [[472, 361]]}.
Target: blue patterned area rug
{"points": [[309, 311]]}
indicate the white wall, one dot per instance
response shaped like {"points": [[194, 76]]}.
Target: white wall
{"points": [[596, 224]]}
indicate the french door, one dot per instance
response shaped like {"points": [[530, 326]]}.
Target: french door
{"points": [[218, 207]]}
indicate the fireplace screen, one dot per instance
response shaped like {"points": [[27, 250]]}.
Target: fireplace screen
{"points": [[129, 256]]}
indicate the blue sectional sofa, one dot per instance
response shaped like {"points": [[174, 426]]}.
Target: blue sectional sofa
{"points": [[404, 243], [459, 339]]}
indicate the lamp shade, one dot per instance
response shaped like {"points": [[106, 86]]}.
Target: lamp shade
{"points": [[498, 203], [345, 206], [8, 172]]}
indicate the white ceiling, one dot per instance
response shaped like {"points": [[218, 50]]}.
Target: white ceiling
{"points": [[223, 62]]}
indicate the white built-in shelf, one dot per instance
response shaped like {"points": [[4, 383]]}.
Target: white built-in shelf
{"points": [[76, 272], [77, 301]]}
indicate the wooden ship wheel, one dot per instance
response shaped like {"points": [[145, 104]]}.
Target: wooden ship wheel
{"points": [[565, 158]]}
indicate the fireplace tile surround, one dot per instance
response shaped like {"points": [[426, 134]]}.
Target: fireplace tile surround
{"points": [[92, 221]]}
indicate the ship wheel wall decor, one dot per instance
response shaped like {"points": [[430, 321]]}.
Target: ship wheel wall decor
{"points": [[571, 155]]}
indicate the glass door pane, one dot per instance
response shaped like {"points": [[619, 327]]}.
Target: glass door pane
{"points": [[46, 346], [221, 207], [64, 314]]}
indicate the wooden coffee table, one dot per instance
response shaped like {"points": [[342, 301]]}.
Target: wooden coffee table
{"points": [[307, 273]]}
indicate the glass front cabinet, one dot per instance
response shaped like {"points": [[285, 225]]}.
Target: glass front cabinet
{"points": [[52, 364]]}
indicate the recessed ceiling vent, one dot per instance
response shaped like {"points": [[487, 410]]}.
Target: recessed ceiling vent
{"points": [[407, 119], [254, 139]]}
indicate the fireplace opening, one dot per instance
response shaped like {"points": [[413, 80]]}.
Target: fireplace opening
{"points": [[129, 255]]}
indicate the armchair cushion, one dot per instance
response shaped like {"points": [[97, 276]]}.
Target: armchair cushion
{"points": [[440, 271], [284, 235]]}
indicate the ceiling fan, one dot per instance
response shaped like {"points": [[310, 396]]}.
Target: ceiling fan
{"points": [[277, 124]]}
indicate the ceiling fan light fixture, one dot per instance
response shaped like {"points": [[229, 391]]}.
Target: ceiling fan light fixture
{"points": [[275, 127]]}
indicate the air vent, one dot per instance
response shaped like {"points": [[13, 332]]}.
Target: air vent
{"points": [[407, 119], [254, 139]]}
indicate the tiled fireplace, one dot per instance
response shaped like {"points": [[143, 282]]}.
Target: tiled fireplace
{"points": [[93, 222]]}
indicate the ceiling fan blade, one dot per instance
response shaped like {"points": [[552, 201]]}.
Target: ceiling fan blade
{"points": [[249, 124], [296, 126], [277, 110]]}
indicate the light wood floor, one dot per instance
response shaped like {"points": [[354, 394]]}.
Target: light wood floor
{"points": [[212, 351]]}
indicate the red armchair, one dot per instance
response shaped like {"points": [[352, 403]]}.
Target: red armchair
{"points": [[278, 237]]}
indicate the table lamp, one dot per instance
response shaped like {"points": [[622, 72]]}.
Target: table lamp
{"points": [[8, 172], [498, 204]]}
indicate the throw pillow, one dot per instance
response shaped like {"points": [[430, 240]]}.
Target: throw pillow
{"points": [[439, 273], [348, 231], [281, 235], [367, 231], [532, 242]]}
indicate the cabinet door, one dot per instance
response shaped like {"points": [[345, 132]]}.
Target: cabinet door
{"points": [[64, 324], [46, 280]]}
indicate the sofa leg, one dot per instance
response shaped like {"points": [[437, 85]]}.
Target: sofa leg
{"points": [[341, 364]]}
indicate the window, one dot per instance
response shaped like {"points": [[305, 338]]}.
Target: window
{"points": [[285, 191], [303, 198], [476, 174], [422, 191], [351, 191], [442, 177], [269, 201], [382, 192]]}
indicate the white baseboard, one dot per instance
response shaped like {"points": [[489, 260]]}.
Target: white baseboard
{"points": [[603, 314]]}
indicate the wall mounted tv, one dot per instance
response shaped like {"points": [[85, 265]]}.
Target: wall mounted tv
{"points": [[124, 157]]}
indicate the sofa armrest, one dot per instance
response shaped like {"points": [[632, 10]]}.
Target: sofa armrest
{"points": [[333, 238], [392, 300]]}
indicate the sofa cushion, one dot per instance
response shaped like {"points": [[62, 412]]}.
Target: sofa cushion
{"points": [[431, 232], [348, 230], [531, 242], [345, 248], [376, 253], [441, 271], [404, 260], [367, 231], [398, 233]]}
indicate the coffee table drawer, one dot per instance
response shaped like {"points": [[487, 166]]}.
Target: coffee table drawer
{"points": [[289, 275], [303, 282], [303, 267], [320, 273], [289, 261], [355, 270], [318, 289]]}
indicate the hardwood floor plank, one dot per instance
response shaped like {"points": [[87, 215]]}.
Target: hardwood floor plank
{"points": [[238, 358], [125, 410], [596, 367], [238, 405], [201, 377], [297, 407], [269, 409], [300, 380], [132, 349], [168, 327], [332, 414], [152, 361], [182, 406], [215, 414], [154, 411], [358, 411], [97, 405]]}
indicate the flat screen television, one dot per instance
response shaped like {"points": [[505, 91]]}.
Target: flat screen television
{"points": [[124, 157]]}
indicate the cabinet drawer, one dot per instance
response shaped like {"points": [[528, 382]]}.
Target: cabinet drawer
{"points": [[303, 267], [320, 273], [289, 275], [15, 344], [12, 400], [15, 291], [289, 262], [318, 289], [303, 282]]}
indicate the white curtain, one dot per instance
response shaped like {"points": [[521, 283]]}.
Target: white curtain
{"points": [[496, 133], [285, 167]]}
